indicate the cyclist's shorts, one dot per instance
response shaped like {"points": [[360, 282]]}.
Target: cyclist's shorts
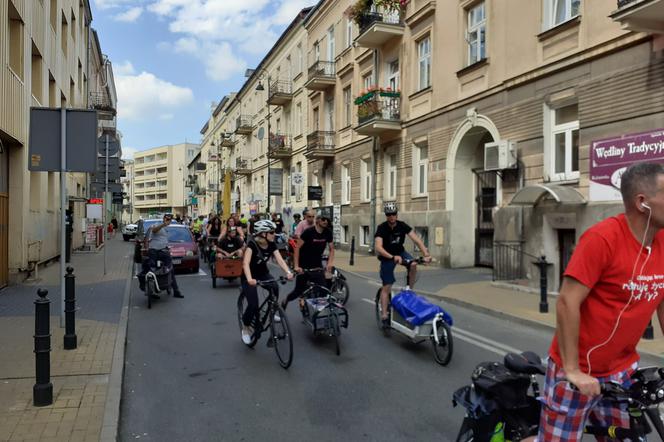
{"points": [[387, 268], [564, 410]]}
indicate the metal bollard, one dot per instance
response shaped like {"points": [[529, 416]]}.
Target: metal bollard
{"points": [[70, 340], [42, 392], [352, 251], [542, 264]]}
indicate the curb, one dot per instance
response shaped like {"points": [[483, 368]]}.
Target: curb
{"points": [[487, 310], [109, 430]]}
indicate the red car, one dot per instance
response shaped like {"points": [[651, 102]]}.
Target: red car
{"points": [[184, 249]]}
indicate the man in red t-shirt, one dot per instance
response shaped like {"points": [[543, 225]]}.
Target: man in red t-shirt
{"points": [[612, 286]]}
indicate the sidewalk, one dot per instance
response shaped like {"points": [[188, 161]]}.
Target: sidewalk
{"points": [[473, 288], [86, 381]]}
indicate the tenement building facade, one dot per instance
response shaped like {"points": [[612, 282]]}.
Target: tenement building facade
{"points": [[499, 128]]}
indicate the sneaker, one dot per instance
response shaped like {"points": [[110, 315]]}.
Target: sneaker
{"points": [[386, 324], [277, 317], [247, 333]]}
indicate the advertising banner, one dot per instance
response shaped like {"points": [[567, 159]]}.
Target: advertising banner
{"points": [[610, 157]]}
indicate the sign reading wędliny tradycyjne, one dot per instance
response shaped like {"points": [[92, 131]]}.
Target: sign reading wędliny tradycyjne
{"points": [[609, 158]]}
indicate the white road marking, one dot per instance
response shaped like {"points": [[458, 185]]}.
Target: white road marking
{"points": [[475, 339]]}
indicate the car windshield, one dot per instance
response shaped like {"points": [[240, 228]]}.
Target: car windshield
{"points": [[179, 235]]}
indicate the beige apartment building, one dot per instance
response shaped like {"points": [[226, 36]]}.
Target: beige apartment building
{"points": [[127, 181], [159, 179], [492, 124], [48, 61]]}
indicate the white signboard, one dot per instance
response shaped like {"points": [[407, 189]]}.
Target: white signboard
{"points": [[94, 211], [336, 222]]}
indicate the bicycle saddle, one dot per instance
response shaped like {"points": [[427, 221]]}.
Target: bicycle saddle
{"points": [[527, 362]]}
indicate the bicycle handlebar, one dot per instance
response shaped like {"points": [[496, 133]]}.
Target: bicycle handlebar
{"points": [[281, 280]]}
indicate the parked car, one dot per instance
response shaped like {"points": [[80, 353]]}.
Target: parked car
{"points": [[129, 231], [184, 249]]}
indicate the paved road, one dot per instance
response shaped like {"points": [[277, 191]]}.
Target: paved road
{"points": [[189, 378]]}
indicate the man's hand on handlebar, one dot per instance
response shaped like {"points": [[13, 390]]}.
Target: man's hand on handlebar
{"points": [[289, 276], [586, 384], [427, 259], [298, 270], [397, 259], [252, 282]]}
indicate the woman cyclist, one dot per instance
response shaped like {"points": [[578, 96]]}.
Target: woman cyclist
{"points": [[259, 250], [232, 222]]}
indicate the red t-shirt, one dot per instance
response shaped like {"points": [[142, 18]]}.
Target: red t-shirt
{"points": [[604, 261]]}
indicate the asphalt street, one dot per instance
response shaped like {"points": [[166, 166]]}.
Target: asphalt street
{"points": [[188, 377]]}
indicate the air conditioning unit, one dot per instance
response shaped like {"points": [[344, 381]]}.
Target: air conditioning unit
{"points": [[500, 155]]}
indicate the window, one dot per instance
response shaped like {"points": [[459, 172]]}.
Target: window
{"points": [[52, 91], [562, 142], [391, 161], [316, 52], [54, 15], [316, 119], [289, 68], [329, 186], [367, 81], [365, 238], [393, 75], [476, 35], [345, 184], [349, 32], [329, 117], [424, 66], [298, 168], [298, 119], [36, 74], [64, 35], [559, 11], [15, 41], [365, 184], [299, 58], [344, 234], [331, 47], [348, 110], [421, 169]]}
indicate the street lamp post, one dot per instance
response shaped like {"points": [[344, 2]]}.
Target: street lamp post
{"points": [[260, 87]]}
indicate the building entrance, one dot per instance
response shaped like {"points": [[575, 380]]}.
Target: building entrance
{"points": [[486, 201]]}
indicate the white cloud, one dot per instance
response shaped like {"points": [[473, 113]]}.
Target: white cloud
{"points": [[221, 33], [124, 68], [130, 15], [128, 153], [145, 96], [112, 4]]}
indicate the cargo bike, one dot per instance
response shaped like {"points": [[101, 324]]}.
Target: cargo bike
{"points": [[418, 319], [322, 311], [225, 268]]}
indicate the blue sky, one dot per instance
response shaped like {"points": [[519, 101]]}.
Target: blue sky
{"points": [[173, 58]]}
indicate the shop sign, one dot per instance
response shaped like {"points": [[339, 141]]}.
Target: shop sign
{"points": [[610, 157]]}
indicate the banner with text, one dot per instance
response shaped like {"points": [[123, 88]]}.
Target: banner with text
{"points": [[610, 157]]}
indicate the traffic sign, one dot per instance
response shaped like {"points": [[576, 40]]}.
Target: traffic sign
{"points": [[113, 145]]}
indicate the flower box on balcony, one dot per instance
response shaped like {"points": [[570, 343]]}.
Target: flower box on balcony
{"points": [[368, 95]]}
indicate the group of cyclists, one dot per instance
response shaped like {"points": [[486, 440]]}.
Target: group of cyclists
{"points": [[610, 291]]}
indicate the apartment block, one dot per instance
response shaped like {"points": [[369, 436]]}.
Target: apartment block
{"points": [[486, 121], [48, 61], [159, 179]]}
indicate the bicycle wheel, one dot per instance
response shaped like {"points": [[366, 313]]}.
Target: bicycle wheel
{"points": [[466, 432], [442, 350], [341, 291], [281, 337], [241, 307], [379, 310]]}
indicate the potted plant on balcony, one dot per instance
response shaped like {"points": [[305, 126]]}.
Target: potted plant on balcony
{"points": [[361, 10]]}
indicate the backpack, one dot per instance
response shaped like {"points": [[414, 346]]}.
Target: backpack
{"points": [[497, 382]]}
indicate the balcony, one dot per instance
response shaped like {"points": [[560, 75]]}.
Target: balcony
{"points": [[242, 166], [377, 28], [280, 146], [378, 113], [320, 145], [322, 75], [228, 142], [280, 92], [640, 15], [244, 125], [101, 102]]}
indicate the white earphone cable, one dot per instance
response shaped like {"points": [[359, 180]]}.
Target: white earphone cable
{"points": [[632, 288]]}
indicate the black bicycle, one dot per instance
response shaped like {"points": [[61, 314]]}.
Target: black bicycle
{"points": [[271, 317], [502, 400], [338, 284], [322, 311]]}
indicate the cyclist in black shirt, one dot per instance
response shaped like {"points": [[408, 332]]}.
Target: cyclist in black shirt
{"points": [[390, 237], [259, 250], [308, 255]]}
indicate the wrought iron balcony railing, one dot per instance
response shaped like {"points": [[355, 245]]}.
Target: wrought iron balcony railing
{"points": [[279, 141], [368, 19], [320, 140], [379, 107], [322, 69]]}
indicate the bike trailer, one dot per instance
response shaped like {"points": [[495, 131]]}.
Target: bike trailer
{"points": [[497, 382], [417, 310], [319, 313]]}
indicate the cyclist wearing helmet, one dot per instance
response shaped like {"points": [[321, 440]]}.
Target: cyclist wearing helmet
{"points": [[389, 238], [259, 250], [308, 255]]}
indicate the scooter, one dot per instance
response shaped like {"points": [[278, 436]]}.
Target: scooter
{"points": [[158, 280]]}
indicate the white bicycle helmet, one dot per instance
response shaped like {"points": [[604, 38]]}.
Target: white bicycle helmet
{"points": [[390, 207], [264, 226]]}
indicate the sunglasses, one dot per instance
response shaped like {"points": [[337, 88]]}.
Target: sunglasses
{"points": [[391, 214], [272, 232]]}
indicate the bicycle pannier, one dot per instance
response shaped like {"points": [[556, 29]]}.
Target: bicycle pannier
{"points": [[508, 389]]}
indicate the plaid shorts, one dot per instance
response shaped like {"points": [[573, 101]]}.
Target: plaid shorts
{"points": [[565, 411]]}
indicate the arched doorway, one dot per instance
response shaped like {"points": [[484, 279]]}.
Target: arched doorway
{"points": [[471, 194]]}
